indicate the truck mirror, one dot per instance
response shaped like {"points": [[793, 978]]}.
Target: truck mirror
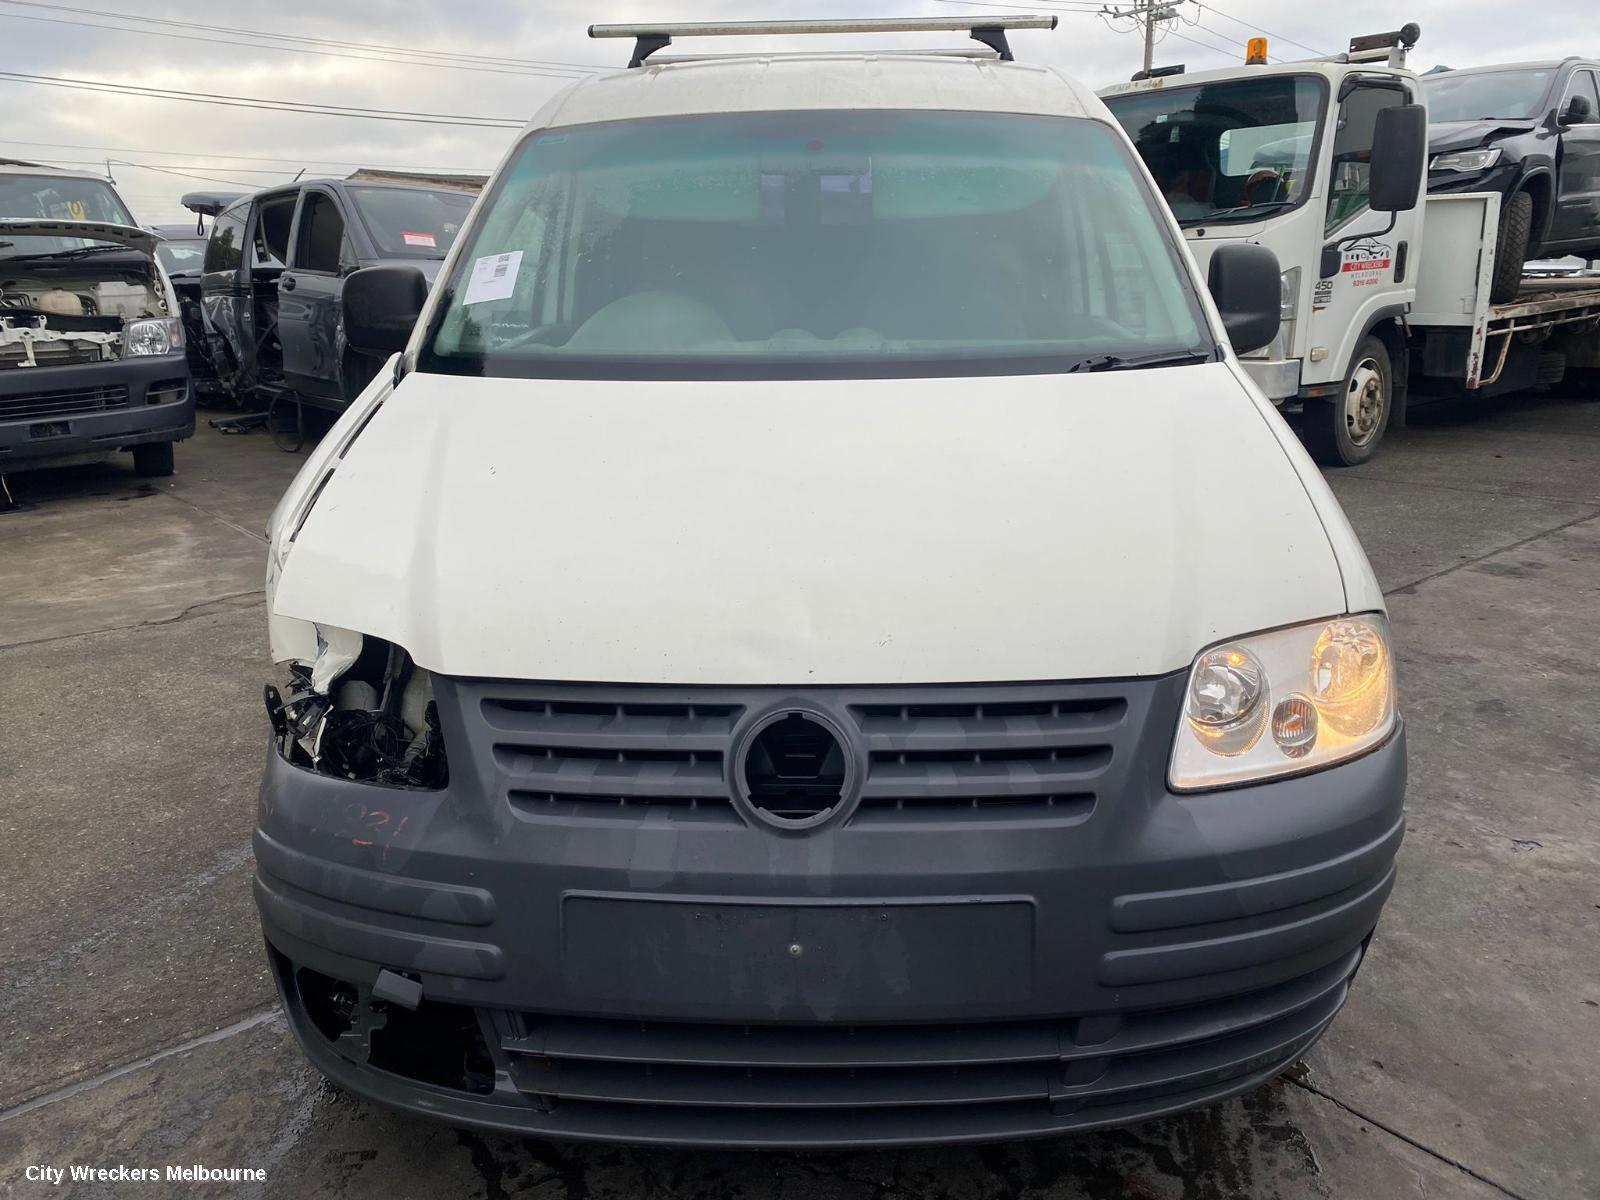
{"points": [[1244, 281], [381, 305], [1399, 148], [1578, 111]]}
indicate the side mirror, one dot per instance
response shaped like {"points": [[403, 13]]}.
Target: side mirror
{"points": [[1578, 111], [1399, 150], [1246, 285], [381, 305]]}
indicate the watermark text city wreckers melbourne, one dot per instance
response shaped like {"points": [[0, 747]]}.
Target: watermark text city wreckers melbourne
{"points": [[122, 1173]]}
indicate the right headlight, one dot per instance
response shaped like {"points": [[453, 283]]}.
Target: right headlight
{"points": [[1466, 160], [153, 335], [1284, 703]]}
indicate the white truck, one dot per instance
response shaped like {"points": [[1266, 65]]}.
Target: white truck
{"points": [[1385, 290]]}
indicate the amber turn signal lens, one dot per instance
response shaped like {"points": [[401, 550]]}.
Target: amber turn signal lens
{"points": [[1294, 726]]}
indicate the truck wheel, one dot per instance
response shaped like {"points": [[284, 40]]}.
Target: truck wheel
{"points": [[152, 459], [1511, 248], [1346, 430]]}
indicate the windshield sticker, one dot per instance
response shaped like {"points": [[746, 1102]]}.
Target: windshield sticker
{"points": [[411, 238], [1366, 262], [494, 277]]}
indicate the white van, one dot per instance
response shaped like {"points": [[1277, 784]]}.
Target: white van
{"points": [[815, 640]]}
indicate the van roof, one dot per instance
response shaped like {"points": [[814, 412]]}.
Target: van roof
{"points": [[820, 80], [16, 166]]}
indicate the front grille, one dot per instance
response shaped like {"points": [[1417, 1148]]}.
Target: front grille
{"points": [[1060, 1067], [990, 752], [53, 354], [64, 403]]}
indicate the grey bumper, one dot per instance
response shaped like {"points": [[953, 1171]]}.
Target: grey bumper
{"points": [[56, 412], [675, 975], [1277, 379]]}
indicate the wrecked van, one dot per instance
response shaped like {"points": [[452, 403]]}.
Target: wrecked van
{"points": [[274, 269], [815, 640], [91, 342]]}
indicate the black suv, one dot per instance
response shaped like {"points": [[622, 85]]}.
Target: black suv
{"points": [[1530, 131]]}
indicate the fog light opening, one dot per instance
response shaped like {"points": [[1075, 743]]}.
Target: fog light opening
{"points": [[441, 1044]]}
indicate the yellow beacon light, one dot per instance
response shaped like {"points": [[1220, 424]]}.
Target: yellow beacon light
{"points": [[1255, 53]]}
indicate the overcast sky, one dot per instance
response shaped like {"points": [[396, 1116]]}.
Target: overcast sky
{"points": [[237, 146]]}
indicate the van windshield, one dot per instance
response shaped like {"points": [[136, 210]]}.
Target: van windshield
{"points": [[1236, 150], [57, 198], [824, 243], [412, 222]]}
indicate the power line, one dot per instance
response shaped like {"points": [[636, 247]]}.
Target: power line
{"points": [[337, 162], [1231, 48], [1149, 14], [1088, 7], [1277, 37], [541, 72], [122, 162], [294, 106], [128, 162], [496, 60]]}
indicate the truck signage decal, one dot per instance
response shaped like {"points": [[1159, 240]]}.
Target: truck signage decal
{"points": [[1366, 262]]}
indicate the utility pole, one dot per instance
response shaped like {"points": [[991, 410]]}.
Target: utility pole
{"points": [[1146, 16]]}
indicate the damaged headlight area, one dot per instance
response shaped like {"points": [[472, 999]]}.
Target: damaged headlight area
{"points": [[153, 335], [361, 711]]}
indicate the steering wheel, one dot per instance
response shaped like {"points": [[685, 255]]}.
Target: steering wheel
{"points": [[1265, 177]]}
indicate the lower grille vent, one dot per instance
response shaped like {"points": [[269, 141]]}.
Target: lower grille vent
{"points": [[63, 403]]}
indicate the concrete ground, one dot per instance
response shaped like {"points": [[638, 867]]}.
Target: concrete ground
{"points": [[136, 1017]]}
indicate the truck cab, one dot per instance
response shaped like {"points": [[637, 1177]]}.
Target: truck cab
{"points": [[1307, 159]]}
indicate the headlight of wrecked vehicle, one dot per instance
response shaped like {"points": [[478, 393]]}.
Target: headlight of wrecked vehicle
{"points": [[1466, 160], [1285, 702], [153, 335], [362, 711]]}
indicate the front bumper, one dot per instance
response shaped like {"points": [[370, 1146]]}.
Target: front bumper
{"points": [[1278, 379], [1503, 178], [681, 975], [91, 408]]}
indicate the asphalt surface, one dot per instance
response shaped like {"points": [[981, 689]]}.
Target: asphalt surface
{"points": [[136, 1019]]}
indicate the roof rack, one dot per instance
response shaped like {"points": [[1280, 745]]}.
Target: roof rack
{"points": [[991, 31]]}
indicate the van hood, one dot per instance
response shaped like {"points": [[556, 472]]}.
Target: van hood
{"points": [[1035, 527], [100, 231]]}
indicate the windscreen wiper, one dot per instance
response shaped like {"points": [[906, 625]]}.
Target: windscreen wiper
{"points": [[80, 251], [1138, 362], [1245, 210]]}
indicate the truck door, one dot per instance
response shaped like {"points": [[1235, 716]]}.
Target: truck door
{"points": [[1375, 274], [1577, 216], [320, 257], [223, 289]]}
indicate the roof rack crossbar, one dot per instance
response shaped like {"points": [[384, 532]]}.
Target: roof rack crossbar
{"points": [[978, 52], [991, 31]]}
